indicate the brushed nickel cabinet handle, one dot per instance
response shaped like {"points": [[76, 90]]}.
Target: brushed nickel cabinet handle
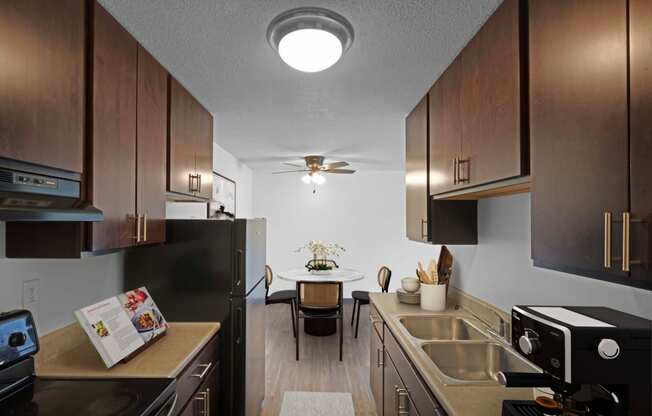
{"points": [[402, 409], [144, 227], [607, 240], [137, 218], [190, 182], [199, 182], [424, 235], [208, 402], [456, 164], [467, 178], [626, 239], [202, 397], [203, 373], [380, 362]]}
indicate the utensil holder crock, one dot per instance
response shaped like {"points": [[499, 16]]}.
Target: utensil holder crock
{"points": [[433, 297]]}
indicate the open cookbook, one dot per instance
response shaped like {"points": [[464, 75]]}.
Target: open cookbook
{"points": [[120, 325]]}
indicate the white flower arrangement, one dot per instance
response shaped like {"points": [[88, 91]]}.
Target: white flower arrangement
{"points": [[322, 249]]}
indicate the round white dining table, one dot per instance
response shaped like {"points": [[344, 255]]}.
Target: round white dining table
{"points": [[320, 327], [337, 275]]}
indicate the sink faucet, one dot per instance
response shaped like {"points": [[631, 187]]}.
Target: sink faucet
{"points": [[501, 332]]}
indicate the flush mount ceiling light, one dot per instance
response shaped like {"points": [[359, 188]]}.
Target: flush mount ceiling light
{"points": [[310, 39]]}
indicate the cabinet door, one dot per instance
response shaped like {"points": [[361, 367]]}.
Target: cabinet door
{"points": [[42, 82], [578, 122], [416, 171], [204, 402], [151, 139], [445, 129], [490, 100], [184, 129], [376, 354], [397, 400], [204, 154], [113, 184], [640, 12]]}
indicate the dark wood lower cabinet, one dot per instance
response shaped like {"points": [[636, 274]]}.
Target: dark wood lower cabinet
{"points": [[204, 401], [376, 356], [397, 388]]}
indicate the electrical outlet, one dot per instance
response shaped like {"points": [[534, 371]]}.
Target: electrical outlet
{"points": [[31, 294]]}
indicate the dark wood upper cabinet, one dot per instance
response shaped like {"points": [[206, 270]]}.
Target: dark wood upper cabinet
{"points": [[478, 126], [640, 38], [42, 82], [190, 144], [204, 155], [151, 147], [113, 139], [578, 133], [494, 147], [445, 129], [416, 175], [184, 125]]}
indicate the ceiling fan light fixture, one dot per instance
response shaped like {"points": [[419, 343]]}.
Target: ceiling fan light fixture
{"points": [[318, 179], [306, 179], [310, 39]]}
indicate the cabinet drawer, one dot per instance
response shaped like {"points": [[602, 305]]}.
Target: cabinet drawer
{"points": [[376, 321], [420, 394], [196, 372]]}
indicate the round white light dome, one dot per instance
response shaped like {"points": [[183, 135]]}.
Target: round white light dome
{"points": [[310, 50], [310, 39]]}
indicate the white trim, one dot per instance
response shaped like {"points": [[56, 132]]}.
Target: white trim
{"points": [[567, 340]]}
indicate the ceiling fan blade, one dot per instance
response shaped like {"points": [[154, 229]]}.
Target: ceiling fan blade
{"points": [[291, 171], [296, 165], [334, 165], [346, 171]]}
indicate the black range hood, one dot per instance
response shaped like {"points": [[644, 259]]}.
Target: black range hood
{"points": [[35, 193]]}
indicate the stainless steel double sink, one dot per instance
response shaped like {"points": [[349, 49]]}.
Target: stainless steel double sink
{"points": [[459, 352]]}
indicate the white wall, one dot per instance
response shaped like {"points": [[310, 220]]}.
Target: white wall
{"points": [[64, 285], [365, 212]]}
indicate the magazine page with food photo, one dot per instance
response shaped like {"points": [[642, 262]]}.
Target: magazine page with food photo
{"points": [[143, 313], [120, 325]]}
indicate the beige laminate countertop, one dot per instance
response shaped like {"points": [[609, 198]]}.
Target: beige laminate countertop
{"points": [[457, 400], [69, 353]]}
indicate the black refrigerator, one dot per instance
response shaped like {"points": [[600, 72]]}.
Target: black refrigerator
{"points": [[214, 270]]}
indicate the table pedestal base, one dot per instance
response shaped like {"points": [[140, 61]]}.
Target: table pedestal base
{"points": [[320, 327]]}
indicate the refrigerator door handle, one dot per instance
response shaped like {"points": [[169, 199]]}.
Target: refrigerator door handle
{"points": [[238, 268], [238, 326]]}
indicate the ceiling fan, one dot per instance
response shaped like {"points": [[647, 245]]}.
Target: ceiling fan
{"points": [[315, 165]]}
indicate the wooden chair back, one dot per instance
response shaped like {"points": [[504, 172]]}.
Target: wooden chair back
{"points": [[269, 276], [384, 276], [319, 295]]}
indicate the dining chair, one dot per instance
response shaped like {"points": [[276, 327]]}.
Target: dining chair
{"points": [[319, 300], [361, 297], [282, 296]]}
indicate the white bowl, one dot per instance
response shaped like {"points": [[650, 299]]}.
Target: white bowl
{"points": [[410, 284]]}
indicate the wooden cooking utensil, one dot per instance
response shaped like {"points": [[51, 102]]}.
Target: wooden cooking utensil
{"points": [[445, 263]]}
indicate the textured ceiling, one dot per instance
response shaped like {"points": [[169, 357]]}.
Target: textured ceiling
{"points": [[267, 112]]}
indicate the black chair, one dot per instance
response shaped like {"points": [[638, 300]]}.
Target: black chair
{"points": [[362, 298], [282, 296], [319, 300]]}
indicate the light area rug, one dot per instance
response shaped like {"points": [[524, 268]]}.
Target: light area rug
{"points": [[304, 403]]}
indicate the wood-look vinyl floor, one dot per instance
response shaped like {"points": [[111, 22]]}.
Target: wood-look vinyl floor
{"points": [[319, 368]]}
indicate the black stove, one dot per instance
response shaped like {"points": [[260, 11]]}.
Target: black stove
{"points": [[24, 394]]}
